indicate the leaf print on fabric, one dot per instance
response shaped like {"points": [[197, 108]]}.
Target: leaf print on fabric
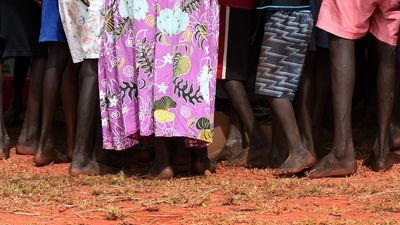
{"points": [[201, 35], [189, 6], [181, 65], [145, 57], [206, 133], [161, 109], [133, 9], [186, 91], [172, 21], [124, 25], [110, 25]]}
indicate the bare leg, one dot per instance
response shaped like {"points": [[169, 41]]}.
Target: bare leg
{"points": [[233, 148], [84, 160], [386, 86], [258, 149], [200, 162], [69, 95], [11, 116], [322, 93], [306, 103], [341, 160], [56, 62], [279, 149], [30, 133], [4, 139], [162, 167], [299, 157]]}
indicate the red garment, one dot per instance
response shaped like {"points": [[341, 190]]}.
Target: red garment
{"points": [[241, 4]]}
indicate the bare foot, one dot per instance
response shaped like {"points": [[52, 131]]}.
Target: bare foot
{"points": [[5, 146], [239, 160], [296, 163], [332, 166], [202, 167], [28, 141], [91, 168], [52, 156], [229, 152], [377, 164], [158, 173], [257, 156]]}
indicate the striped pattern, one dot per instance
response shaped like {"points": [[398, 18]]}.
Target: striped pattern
{"points": [[286, 38]]}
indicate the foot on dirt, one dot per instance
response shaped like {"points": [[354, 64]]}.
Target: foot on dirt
{"points": [[377, 164], [45, 158], [257, 157], [5, 146], [158, 173], [332, 166], [91, 168], [228, 153], [296, 163], [202, 167], [239, 160]]}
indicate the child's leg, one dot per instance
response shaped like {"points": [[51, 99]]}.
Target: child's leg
{"points": [[279, 149], [4, 139], [341, 160], [11, 116], [69, 95], [30, 133], [233, 149], [200, 162], [83, 161], [57, 60], [299, 157], [258, 150], [322, 90], [386, 86], [306, 102], [162, 168]]}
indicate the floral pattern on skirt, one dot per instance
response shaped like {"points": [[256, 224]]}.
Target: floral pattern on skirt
{"points": [[157, 71]]}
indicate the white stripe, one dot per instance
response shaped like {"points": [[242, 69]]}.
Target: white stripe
{"points": [[224, 60]]}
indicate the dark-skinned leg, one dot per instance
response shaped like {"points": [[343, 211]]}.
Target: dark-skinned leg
{"points": [[233, 147], [4, 139], [162, 168], [299, 157], [258, 147], [200, 162], [322, 87], [11, 116], [56, 63], [29, 137], [84, 160], [341, 160], [279, 150], [306, 102], [386, 86], [69, 95]]}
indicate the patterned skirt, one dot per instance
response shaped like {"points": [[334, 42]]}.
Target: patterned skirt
{"points": [[287, 35], [157, 71]]}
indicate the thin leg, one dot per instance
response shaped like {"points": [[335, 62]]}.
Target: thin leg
{"points": [[29, 137], [258, 147], [386, 86], [69, 95], [233, 149], [299, 157], [341, 160], [279, 150], [84, 160], [11, 116], [162, 168], [57, 60], [4, 139]]}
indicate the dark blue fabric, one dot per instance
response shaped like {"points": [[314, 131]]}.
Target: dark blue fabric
{"points": [[51, 29]]}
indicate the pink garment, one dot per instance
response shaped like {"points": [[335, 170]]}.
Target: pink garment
{"points": [[352, 19]]}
